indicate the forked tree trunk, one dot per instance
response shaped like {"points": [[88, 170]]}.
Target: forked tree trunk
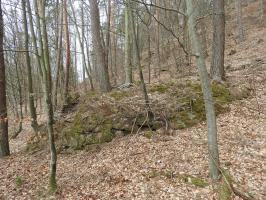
{"points": [[207, 92]]}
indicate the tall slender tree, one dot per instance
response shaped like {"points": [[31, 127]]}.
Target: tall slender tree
{"points": [[128, 44], [40, 6], [207, 92], [32, 107], [143, 85], [59, 45], [68, 54], [4, 144]]}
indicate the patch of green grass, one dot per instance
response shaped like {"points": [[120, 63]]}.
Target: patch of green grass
{"points": [[18, 181]]}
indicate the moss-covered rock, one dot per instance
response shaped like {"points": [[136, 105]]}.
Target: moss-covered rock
{"points": [[106, 134], [191, 108], [98, 118]]}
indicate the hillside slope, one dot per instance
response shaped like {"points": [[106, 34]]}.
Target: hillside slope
{"points": [[163, 166]]}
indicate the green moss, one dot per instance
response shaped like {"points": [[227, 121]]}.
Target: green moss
{"points": [[77, 127], [221, 94], [92, 139], [162, 88], [195, 181], [106, 134], [33, 146], [18, 181], [168, 174], [138, 83], [225, 192], [186, 118], [148, 134], [119, 95], [155, 173], [91, 94], [192, 109]]}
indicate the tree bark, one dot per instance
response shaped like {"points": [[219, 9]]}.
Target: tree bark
{"points": [[58, 55], [128, 44], [217, 67], [32, 107], [4, 144], [68, 58], [241, 34], [105, 85]]}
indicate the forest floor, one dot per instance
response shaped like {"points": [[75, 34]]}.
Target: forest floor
{"points": [[163, 167]]}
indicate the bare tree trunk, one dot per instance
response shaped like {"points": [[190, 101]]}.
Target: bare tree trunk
{"points": [[144, 89], [108, 40], [4, 145], [128, 44], [241, 34], [59, 54], [40, 14], [149, 56], [32, 107], [20, 102], [207, 92], [157, 39], [105, 85], [68, 58], [217, 66]]}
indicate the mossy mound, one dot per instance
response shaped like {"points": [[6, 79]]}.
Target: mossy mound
{"points": [[176, 105], [191, 108]]}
